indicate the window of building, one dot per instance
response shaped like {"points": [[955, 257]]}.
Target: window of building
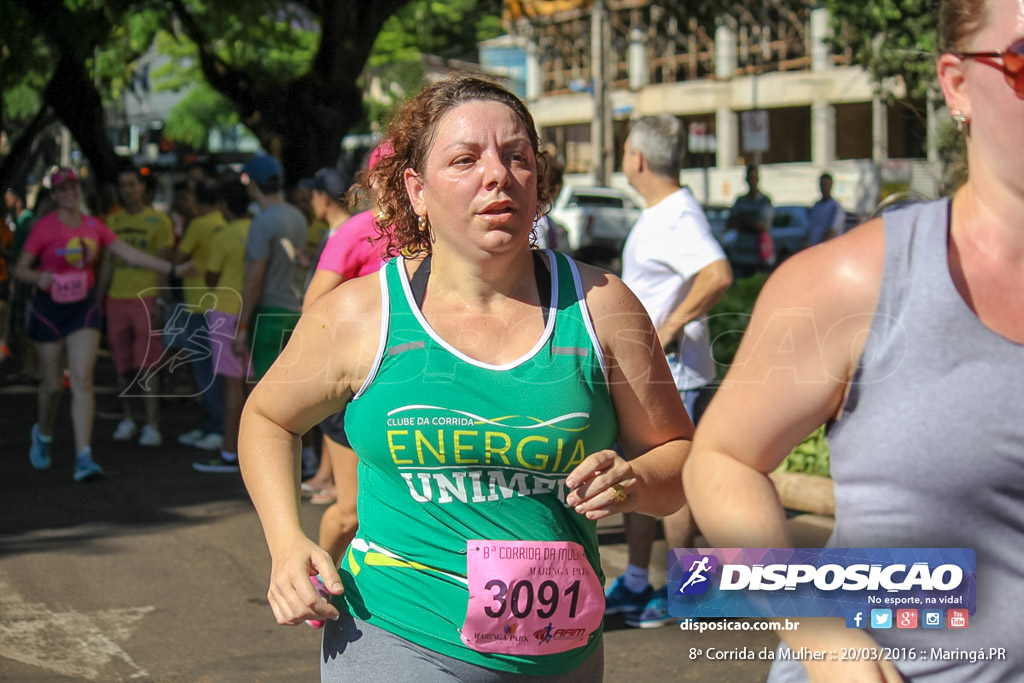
{"points": [[853, 131], [908, 129], [789, 136], [572, 145]]}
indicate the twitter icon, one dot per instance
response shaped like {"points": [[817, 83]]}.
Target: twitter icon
{"points": [[881, 618]]}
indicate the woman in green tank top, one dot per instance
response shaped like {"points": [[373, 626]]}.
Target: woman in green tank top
{"points": [[486, 384]]}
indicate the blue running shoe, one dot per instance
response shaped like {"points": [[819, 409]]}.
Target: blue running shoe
{"points": [[655, 613], [39, 451], [85, 468], [620, 600]]}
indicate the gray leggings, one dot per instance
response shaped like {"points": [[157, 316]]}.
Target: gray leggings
{"points": [[354, 650]]}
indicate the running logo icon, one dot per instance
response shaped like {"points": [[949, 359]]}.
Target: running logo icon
{"points": [[697, 567]]}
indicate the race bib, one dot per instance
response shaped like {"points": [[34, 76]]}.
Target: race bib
{"points": [[530, 597], [70, 286]]}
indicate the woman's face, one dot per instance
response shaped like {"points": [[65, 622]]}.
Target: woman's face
{"points": [[68, 195], [319, 202], [479, 187]]}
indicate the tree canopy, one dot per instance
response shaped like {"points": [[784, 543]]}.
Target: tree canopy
{"points": [[288, 69], [892, 39]]}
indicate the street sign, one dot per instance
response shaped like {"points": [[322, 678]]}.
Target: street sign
{"points": [[755, 130], [699, 140]]}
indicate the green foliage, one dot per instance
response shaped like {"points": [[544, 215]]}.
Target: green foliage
{"points": [[197, 113], [953, 152], [811, 456], [892, 39], [729, 318], [271, 42], [727, 321], [114, 61], [26, 62], [424, 27], [448, 29]]}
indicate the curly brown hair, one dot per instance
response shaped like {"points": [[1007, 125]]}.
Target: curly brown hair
{"points": [[411, 134]]}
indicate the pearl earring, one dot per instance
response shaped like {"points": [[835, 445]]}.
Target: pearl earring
{"points": [[960, 119]]}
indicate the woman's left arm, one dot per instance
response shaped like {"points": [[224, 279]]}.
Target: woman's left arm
{"points": [[655, 433], [141, 259]]}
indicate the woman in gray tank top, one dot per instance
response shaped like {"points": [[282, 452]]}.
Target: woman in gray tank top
{"points": [[908, 333]]}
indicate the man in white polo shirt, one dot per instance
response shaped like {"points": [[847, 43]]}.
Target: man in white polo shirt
{"points": [[678, 271]]}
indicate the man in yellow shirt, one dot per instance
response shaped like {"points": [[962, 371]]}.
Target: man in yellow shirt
{"points": [[191, 332], [134, 307], [225, 276]]}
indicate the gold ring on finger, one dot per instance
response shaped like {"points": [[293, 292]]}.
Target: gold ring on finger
{"points": [[620, 493]]}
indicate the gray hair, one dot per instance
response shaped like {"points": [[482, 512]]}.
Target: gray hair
{"points": [[658, 139]]}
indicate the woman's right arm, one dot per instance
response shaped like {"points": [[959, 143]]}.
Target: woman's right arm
{"points": [[789, 376], [25, 272], [326, 360]]}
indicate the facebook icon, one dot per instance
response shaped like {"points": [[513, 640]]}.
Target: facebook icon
{"points": [[855, 618]]}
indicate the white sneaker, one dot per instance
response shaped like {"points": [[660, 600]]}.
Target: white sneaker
{"points": [[189, 438], [210, 442], [150, 437], [125, 431]]}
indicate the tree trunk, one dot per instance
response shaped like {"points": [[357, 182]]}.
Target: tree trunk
{"points": [[79, 106], [16, 164], [302, 122], [304, 126]]}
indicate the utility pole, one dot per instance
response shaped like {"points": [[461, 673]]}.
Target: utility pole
{"points": [[601, 125]]}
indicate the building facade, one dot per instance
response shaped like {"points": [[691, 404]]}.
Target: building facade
{"points": [[815, 111]]}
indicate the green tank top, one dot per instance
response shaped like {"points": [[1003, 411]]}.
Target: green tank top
{"points": [[452, 449]]}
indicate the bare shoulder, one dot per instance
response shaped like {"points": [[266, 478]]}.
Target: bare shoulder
{"points": [[606, 294], [621, 322], [842, 276], [345, 325], [353, 307]]}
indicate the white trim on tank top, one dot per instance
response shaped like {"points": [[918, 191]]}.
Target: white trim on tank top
{"points": [[548, 329], [385, 318]]}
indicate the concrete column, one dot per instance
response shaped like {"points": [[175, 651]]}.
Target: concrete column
{"points": [[936, 112], [534, 82], [821, 30], [823, 135], [879, 130], [727, 135], [725, 52], [65, 146], [639, 66]]}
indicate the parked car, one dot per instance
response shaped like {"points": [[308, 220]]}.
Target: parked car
{"points": [[596, 220], [790, 227], [717, 215]]}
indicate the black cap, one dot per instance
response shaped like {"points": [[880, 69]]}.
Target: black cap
{"points": [[331, 182]]}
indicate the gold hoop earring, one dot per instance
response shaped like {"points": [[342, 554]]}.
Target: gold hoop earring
{"points": [[960, 120], [422, 223]]}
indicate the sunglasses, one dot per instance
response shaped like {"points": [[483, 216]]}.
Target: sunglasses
{"points": [[1013, 63]]}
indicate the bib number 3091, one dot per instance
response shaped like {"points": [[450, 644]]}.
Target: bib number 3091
{"points": [[530, 597]]}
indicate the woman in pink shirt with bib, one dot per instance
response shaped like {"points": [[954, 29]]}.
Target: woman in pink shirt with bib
{"points": [[60, 258]]}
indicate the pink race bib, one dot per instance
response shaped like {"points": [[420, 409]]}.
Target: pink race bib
{"points": [[530, 597], [70, 286]]}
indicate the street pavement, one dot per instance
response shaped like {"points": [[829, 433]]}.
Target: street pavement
{"points": [[157, 572]]}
